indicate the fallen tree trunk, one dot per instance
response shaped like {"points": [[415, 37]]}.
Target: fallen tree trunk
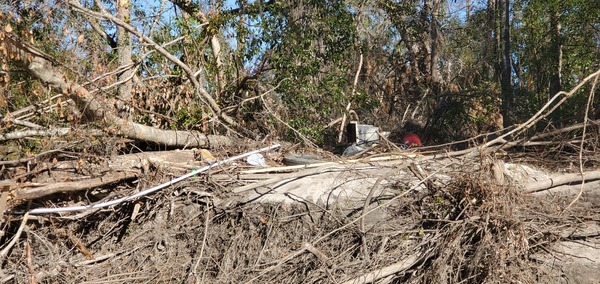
{"points": [[40, 66], [561, 180]]}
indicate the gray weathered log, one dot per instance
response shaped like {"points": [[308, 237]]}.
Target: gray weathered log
{"points": [[561, 180]]}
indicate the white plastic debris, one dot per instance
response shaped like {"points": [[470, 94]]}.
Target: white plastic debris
{"points": [[352, 149], [362, 134], [257, 160]]}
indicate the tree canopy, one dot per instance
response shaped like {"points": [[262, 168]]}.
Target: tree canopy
{"points": [[291, 68]]}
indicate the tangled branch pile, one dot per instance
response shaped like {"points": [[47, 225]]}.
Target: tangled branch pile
{"points": [[465, 222]]}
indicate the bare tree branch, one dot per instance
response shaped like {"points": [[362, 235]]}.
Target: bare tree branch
{"points": [[96, 26], [204, 94], [72, 186], [190, 8], [44, 132], [97, 107]]}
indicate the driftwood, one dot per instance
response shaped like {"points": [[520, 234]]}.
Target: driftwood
{"points": [[342, 162]]}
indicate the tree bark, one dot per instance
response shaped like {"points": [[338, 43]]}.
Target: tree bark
{"points": [[435, 42], [490, 43], [467, 10], [505, 64], [193, 10], [124, 58], [556, 49]]}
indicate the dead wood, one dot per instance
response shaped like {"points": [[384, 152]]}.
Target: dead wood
{"points": [[4, 192], [543, 112], [47, 132], [9, 246], [373, 276], [129, 28], [562, 130], [192, 76], [284, 178], [561, 179], [5, 121], [42, 67], [119, 168], [73, 186], [25, 160], [319, 254], [30, 111], [467, 225], [175, 160], [368, 226]]}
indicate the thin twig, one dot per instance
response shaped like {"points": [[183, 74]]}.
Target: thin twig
{"points": [[319, 254], [204, 238], [22, 123], [25, 160], [585, 120], [266, 242], [540, 114], [279, 263], [9, 246], [373, 276], [17, 113]]}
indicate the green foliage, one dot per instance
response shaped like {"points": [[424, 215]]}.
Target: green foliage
{"points": [[310, 50], [365, 102], [535, 37], [311, 42], [188, 118]]}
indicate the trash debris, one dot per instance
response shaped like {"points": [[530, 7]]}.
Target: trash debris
{"points": [[257, 160], [352, 149], [361, 134], [412, 140], [302, 159]]}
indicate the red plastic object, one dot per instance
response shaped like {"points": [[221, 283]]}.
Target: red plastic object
{"points": [[412, 140]]}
